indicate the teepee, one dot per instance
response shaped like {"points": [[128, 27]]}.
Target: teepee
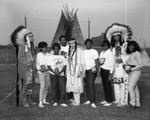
{"points": [[69, 26], [145, 57]]}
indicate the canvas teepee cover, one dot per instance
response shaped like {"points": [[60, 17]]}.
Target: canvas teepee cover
{"points": [[145, 58], [69, 26]]}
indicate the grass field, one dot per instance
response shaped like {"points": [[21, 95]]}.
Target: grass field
{"points": [[9, 111]]}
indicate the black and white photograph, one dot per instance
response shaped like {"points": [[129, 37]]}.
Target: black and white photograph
{"points": [[74, 59]]}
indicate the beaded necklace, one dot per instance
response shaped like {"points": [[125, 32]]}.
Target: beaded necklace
{"points": [[72, 67]]}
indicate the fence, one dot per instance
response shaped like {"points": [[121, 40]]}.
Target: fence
{"points": [[7, 55]]}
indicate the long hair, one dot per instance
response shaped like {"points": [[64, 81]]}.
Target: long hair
{"points": [[69, 52], [113, 41], [136, 47]]}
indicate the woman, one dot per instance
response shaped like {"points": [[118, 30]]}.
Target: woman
{"points": [[75, 71], [92, 67], [135, 61]]}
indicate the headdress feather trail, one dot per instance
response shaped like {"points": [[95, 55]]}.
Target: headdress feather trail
{"points": [[117, 28]]}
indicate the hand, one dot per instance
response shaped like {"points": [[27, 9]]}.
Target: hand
{"points": [[94, 70], [127, 68], [110, 77], [119, 60], [101, 61], [56, 71]]}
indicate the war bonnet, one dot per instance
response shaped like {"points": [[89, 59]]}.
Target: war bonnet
{"points": [[119, 29]]}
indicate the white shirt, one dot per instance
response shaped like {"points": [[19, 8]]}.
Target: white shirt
{"points": [[109, 60], [41, 59], [90, 56], [56, 61], [65, 50]]}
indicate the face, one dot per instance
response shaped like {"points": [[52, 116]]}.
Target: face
{"points": [[105, 47], [89, 45], [131, 48], [44, 49], [116, 37], [56, 50], [31, 37], [63, 41], [72, 44]]}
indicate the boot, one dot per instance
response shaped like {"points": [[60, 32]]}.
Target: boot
{"points": [[30, 100], [25, 102], [77, 99]]}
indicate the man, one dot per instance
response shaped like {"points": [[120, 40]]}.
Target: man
{"points": [[23, 40]]}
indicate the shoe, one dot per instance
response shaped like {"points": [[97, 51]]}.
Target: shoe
{"points": [[55, 104], [25, 104], [76, 104], [137, 106], [115, 102], [87, 102], [103, 102], [71, 100], [64, 105], [119, 105], [73, 103], [132, 106], [93, 105], [107, 104], [41, 105], [47, 103]]}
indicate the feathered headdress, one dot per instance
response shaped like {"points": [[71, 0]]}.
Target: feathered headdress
{"points": [[18, 36], [119, 29]]}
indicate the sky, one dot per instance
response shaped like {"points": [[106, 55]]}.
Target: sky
{"points": [[43, 17]]}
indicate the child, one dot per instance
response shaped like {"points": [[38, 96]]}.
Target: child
{"points": [[43, 74], [56, 65], [92, 67], [107, 67]]}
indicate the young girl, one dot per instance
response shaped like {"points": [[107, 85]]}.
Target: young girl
{"points": [[107, 67], [57, 65], [75, 71], [43, 73], [92, 67], [135, 61]]}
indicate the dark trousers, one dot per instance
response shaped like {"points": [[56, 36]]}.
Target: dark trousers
{"points": [[108, 89], [89, 81], [58, 85]]}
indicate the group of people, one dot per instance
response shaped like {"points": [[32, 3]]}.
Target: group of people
{"points": [[72, 69]]}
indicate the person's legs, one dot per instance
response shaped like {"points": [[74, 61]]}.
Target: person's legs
{"points": [[54, 86], [23, 89], [76, 99], [133, 79], [137, 97], [86, 82], [92, 95], [108, 91], [117, 93], [47, 84], [42, 88], [62, 89]]}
